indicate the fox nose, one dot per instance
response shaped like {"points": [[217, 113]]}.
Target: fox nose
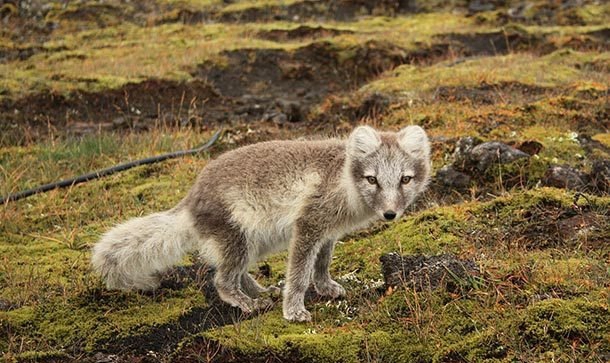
{"points": [[389, 215]]}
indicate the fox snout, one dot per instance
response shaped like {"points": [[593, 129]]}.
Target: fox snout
{"points": [[389, 215]]}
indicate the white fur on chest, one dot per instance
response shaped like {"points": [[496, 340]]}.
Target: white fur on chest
{"points": [[267, 217]]}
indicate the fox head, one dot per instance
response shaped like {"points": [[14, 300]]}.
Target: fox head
{"points": [[389, 169]]}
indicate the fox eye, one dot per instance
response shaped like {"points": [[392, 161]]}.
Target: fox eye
{"points": [[405, 179], [371, 180]]}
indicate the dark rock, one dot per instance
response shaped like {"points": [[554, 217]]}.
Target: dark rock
{"points": [[424, 272], [373, 105], [5, 305], [476, 6], [100, 357], [463, 147], [530, 147], [448, 176], [600, 176], [120, 122], [279, 118], [292, 109], [303, 31], [564, 176], [265, 270], [484, 155], [589, 144]]}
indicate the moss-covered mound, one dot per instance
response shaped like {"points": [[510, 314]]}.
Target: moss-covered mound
{"points": [[85, 85]]}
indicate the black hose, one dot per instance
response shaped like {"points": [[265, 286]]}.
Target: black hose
{"points": [[109, 171]]}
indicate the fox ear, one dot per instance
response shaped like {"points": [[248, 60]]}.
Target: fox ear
{"points": [[363, 141], [413, 140]]}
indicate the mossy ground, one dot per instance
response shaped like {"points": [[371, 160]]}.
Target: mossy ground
{"points": [[501, 73]]}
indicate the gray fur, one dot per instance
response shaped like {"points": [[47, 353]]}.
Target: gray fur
{"points": [[266, 197]]}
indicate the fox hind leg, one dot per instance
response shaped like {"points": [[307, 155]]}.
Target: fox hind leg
{"points": [[230, 276]]}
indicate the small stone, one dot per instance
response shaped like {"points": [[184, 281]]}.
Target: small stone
{"points": [[426, 272], [265, 270], [448, 176], [478, 6], [530, 147], [373, 105], [463, 146], [105, 358], [564, 176], [119, 122], [279, 118], [600, 175], [5, 305], [292, 110], [488, 153]]}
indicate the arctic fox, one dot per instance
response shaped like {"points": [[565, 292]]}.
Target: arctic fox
{"points": [[267, 197]]}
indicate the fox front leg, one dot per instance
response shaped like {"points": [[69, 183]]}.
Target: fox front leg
{"points": [[323, 283], [302, 254]]}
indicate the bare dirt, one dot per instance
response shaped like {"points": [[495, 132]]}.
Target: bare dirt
{"points": [[301, 32], [256, 85]]}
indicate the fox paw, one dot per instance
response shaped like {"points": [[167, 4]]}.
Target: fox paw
{"points": [[297, 315], [273, 290], [329, 288], [255, 305]]}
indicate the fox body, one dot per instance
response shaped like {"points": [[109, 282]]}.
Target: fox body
{"points": [[267, 197]]}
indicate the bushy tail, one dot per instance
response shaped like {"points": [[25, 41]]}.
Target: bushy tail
{"points": [[131, 255]]}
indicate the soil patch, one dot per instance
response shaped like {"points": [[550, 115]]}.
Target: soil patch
{"points": [[547, 224], [300, 32], [280, 86], [601, 34], [339, 10], [499, 42], [487, 94], [165, 337], [255, 84], [135, 105], [11, 54], [547, 13], [511, 40], [308, 72]]}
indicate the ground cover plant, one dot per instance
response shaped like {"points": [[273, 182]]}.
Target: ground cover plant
{"points": [[514, 95]]}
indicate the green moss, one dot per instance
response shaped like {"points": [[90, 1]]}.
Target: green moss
{"points": [[554, 70], [476, 346], [395, 347], [556, 322], [111, 57], [34, 356], [115, 315], [19, 317], [593, 14], [272, 335], [525, 172], [603, 138], [560, 147], [252, 4]]}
